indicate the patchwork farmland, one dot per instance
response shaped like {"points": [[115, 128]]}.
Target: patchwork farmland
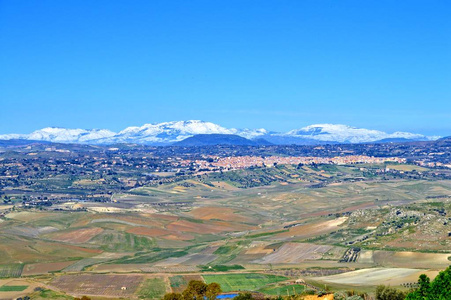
{"points": [[259, 239]]}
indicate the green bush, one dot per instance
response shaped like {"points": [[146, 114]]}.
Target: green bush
{"points": [[243, 296], [438, 289], [388, 293]]}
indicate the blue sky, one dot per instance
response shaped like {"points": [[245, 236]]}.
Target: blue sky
{"points": [[239, 63]]}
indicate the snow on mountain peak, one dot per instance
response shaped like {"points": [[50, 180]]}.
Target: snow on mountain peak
{"points": [[63, 135], [169, 132], [348, 134], [252, 133]]}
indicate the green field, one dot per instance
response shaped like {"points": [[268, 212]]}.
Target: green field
{"points": [[177, 282], [13, 288], [155, 255], [283, 290], [243, 282], [49, 294], [154, 288], [226, 249], [221, 268]]}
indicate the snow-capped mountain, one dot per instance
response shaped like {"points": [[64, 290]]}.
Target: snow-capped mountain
{"points": [[167, 133], [251, 133], [62, 135], [171, 132], [347, 134]]}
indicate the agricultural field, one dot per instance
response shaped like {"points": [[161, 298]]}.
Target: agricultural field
{"points": [[11, 270], [293, 253], [215, 229], [13, 288], [243, 282], [377, 276], [284, 290], [43, 293], [100, 285], [43, 268], [76, 236], [180, 282], [153, 288], [404, 259]]}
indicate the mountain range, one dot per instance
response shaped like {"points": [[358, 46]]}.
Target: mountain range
{"points": [[219, 139], [168, 133]]}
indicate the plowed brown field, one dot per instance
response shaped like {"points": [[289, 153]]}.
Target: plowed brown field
{"points": [[160, 232], [218, 213], [77, 236], [43, 268]]}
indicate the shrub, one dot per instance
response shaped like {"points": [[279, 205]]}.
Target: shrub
{"points": [[388, 293], [243, 296]]}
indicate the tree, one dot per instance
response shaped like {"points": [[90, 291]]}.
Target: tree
{"points": [[422, 292], [213, 290], [188, 295], [197, 288], [438, 289], [173, 296], [441, 286], [424, 284]]}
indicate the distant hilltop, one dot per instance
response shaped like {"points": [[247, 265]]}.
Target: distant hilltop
{"points": [[220, 139], [169, 133]]}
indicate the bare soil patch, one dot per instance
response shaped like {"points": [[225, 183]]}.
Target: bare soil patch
{"points": [[43, 268], [217, 213], [118, 268], [376, 276], [77, 236], [411, 259], [148, 231], [99, 285], [186, 226], [291, 253], [259, 248], [178, 237], [314, 229]]}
